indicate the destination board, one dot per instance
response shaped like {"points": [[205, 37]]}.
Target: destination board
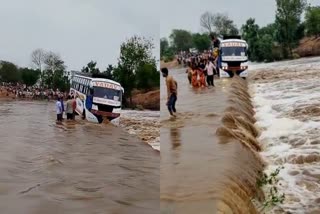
{"points": [[106, 85], [233, 44]]}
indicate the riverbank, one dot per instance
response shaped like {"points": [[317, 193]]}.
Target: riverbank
{"points": [[146, 100]]}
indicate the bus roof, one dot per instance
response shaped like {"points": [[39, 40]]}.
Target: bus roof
{"points": [[233, 40], [89, 76]]}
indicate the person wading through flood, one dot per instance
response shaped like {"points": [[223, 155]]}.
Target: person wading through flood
{"points": [[189, 72], [74, 106], [59, 110], [69, 108], [62, 104], [172, 88], [210, 74]]}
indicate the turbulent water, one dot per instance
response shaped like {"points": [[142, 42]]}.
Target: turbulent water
{"points": [[212, 154], [287, 104], [206, 165], [144, 124], [72, 168]]}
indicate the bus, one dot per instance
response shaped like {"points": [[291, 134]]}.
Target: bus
{"points": [[233, 53], [97, 99]]}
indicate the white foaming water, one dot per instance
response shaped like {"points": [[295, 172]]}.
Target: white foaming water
{"points": [[143, 123], [291, 139]]}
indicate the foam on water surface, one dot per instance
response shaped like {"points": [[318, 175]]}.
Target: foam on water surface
{"points": [[144, 124], [287, 113]]}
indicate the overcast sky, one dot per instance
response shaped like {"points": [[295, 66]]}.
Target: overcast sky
{"points": [[79, 30], [185, 14]]}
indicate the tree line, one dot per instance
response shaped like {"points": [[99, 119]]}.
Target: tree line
{"points": [[276, 41], [48, 71], [136, 69]]}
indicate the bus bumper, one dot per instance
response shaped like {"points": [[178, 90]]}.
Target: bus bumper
{"points": [[228, 74]]}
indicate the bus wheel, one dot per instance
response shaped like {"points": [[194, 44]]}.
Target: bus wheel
{"points": [[100, 118], [84, 115]]}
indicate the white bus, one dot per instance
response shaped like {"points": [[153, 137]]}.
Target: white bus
{"points": [[233, 58], [97, 98]]}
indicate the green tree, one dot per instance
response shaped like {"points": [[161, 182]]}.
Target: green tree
{"points": [[134, 53], [108, 73], [288, 16], [91, 68], [201, 41], [9, 72], [250, 32], [53, 76], [312, 21], [265, 46], [181, 40], [164, 45], [60, 81], [29, 76], [147, 77]]}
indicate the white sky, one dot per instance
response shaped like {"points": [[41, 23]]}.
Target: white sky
{"points": [[79, 30], [185, 14]]}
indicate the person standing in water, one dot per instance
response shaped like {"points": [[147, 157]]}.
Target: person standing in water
{"points": [[69, 108], [210, 74], [189, 72], [59, 110], [62, 104], [172, 88], [74, 106]]}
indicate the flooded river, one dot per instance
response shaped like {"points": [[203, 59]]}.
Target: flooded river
{"points": [[201, 173], [223, 137], [287, 103], [72, 168]]}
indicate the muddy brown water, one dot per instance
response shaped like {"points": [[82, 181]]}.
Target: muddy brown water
{"points": [[72, 168], [199, 172]]}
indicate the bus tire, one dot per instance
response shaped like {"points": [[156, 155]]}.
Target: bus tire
{"points": [[84, 115]]}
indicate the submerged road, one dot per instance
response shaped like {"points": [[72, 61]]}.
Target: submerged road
{"points": [[199, 173], [75, 168]]}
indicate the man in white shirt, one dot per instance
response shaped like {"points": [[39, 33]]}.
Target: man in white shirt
{"points": [[59, 109], [210, 75]]}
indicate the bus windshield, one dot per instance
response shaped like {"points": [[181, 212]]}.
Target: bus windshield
{"points": [[107, 93], [233, 51]]}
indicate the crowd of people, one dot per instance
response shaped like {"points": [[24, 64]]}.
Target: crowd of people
{"points": [[29, 92], [201, 67]]}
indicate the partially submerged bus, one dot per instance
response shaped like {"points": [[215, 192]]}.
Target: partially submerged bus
{"points": [[97, 99]]}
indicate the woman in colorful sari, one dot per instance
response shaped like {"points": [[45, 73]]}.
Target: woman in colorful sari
{"points": [[202, 78], [194, 80]]}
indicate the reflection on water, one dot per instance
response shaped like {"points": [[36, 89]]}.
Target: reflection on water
{"points": [[198, 173], [175, 137], [72, 168]]}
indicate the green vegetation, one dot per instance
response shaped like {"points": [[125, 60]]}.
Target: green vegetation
{"points": [[269, 184], [136, 69], [273, 42]]}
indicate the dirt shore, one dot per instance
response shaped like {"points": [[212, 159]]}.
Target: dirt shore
{"points": [[309, 46], [148, 100]]}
